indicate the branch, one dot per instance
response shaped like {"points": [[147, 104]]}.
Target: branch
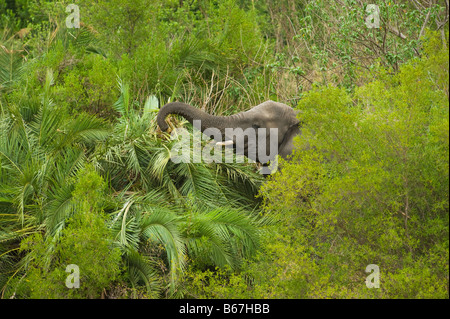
{"points": [[425, 23], [395, 31]]}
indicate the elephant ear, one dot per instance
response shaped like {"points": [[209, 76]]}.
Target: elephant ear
{"points": [[293, 118]]}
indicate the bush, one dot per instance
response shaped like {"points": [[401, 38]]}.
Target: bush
{"points": [[368, 184], [369, 181], [84, 242]]}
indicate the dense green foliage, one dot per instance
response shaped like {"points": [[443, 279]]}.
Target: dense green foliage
{"points": [[86, 176], [368, 184]]}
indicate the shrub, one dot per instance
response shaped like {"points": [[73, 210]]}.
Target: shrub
{"points": [[369, 182], [85, 242]]}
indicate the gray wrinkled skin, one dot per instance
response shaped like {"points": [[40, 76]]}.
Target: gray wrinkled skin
{"points": [[266, 115]]}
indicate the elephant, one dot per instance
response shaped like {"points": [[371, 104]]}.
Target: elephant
{"points": [[267, 126]]}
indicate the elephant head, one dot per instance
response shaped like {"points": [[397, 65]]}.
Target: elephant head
{"points": [[266, 126]]}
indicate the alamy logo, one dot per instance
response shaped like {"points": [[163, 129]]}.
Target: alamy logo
{"points": [[73, 280], [257, 144], [73, 19], [373, 19], [373, 280]]}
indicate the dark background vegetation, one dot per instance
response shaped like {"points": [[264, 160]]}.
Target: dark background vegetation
{"points": [[86, 176]]}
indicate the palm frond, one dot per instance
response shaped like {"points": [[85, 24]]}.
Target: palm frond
{"points": [[160, 225], [11, 66], [122, 105], [141, 270], [85, 128], [222, 236], [198, 181], [46, 126], [158, 162], [151, 107], [239, 182], [83, 37], [194, 54], [59, 208], [125, 227]]}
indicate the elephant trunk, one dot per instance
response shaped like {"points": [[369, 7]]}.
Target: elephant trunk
{"points": [[191, 113]]}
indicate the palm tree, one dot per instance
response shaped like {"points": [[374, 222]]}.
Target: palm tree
{"points": [[171, 213], [162, 215], [41, 149]]}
